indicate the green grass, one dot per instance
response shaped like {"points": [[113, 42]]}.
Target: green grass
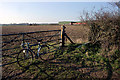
{"points": [[69, 60], [67, 22]]}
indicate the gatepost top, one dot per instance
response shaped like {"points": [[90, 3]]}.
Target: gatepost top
{"points": [[63, 27]]}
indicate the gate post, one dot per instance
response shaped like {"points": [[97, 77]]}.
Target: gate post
{"points": [[63, 35]]}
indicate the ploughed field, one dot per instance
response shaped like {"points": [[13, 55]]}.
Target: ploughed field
{"points": [[39, 69], [78, 33], [71, 62]]}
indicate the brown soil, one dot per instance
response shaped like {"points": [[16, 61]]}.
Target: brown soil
{"points": [[77, 33]]}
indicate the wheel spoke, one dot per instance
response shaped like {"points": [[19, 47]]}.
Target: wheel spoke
{"points": [[24, 58], [45, 54]]}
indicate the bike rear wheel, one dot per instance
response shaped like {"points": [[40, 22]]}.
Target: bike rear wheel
{"points": [[45, 53], [24, 58]]}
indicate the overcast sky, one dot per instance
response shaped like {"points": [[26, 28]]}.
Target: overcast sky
{"points": [[45, 12]]}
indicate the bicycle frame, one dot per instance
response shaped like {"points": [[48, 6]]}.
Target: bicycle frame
{"points": [[39, 47], [28, 47]]}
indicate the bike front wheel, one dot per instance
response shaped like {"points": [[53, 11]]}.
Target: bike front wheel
{"points": [[24, 58]]}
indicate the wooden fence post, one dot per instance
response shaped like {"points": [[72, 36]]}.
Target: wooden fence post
{"points": [[63, 35]]}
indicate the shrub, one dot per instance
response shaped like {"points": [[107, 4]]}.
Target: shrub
{"points": [[104, 27]]}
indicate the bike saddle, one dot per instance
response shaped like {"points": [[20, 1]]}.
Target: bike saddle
{"points": [[40, 40]]}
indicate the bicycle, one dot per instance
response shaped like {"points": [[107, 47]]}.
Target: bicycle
{"points": [[26, 55]]}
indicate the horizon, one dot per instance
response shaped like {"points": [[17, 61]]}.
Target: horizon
{"points": [[45, 12], [41, 22]]}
